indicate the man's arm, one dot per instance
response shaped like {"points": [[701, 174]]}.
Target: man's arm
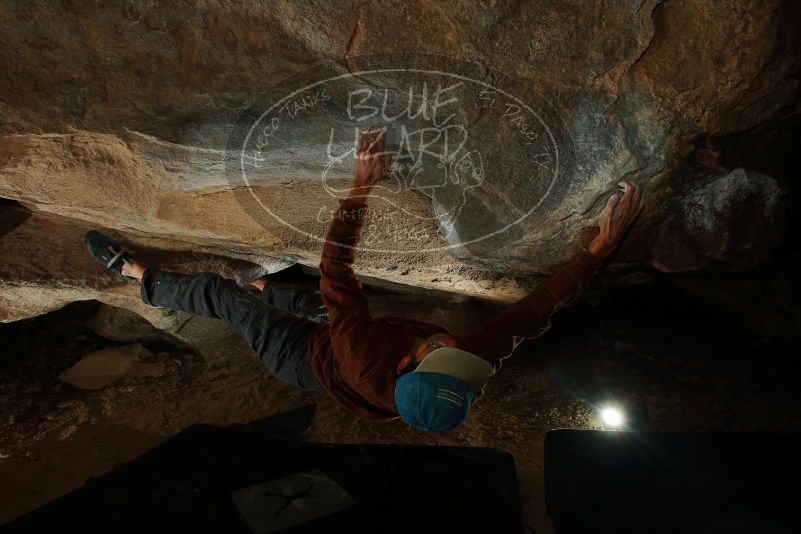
{"points": [[340, 290], [530, 317]]}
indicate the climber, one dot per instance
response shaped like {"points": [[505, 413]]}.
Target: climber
{"points": [[377, 367]]}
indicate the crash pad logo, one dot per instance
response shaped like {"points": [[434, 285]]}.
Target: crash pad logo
{"points": [[471, 160]]}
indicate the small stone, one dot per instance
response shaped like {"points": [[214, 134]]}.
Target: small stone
{"points": [[108, 366]]}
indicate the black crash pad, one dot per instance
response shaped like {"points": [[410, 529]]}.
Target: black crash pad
{"points": [[186, 485], [633, 482]]}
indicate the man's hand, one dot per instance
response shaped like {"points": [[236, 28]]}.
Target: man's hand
{"points": [[615, 219], [371, 162]]}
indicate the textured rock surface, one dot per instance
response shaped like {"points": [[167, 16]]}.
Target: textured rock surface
{"points": [[121, 115]]}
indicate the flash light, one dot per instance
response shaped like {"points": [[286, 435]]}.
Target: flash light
{"points": [[612, 417]]}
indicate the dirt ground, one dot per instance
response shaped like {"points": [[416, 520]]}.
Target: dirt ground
{"points": [[676, 366]]}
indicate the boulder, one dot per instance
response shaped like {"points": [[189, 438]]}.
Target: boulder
{"points": [[730, 220], [124, 326], [225, 130]]}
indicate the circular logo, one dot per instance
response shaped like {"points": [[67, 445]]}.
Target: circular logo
{"points": [[474, 154]]}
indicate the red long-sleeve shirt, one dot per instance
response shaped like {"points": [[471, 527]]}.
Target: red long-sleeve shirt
{"points": [[355, 356]]}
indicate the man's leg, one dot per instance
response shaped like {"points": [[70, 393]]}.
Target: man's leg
{"points": [[280, 339], [288, 297]]}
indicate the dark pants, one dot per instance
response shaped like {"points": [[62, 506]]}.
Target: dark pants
{"points": [[274, 324]]}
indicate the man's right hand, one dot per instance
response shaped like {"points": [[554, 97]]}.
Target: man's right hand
{"points": [[615, 219]]}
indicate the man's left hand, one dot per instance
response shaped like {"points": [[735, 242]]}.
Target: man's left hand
{"points": [[371, 162]]}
